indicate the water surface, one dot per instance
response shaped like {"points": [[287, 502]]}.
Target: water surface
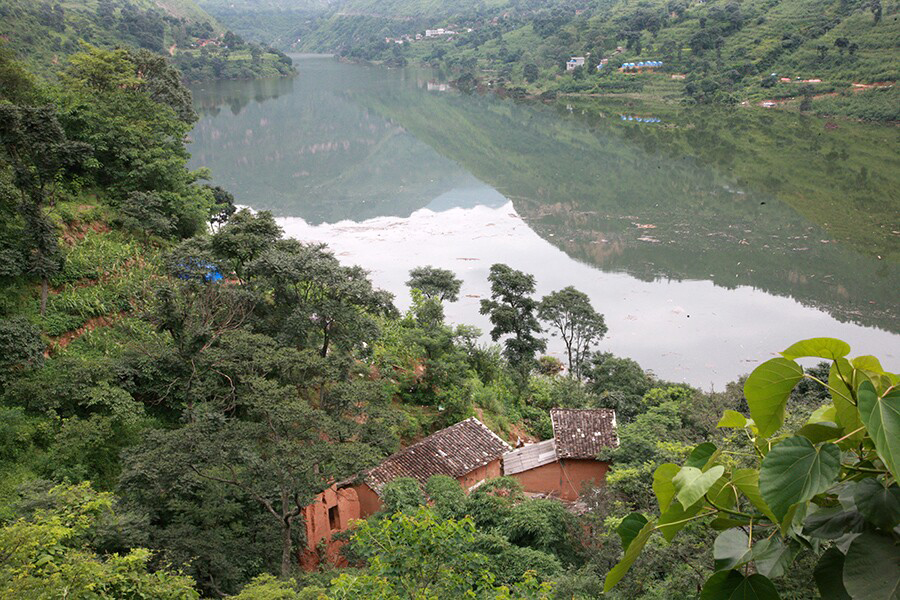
{"points": [[708, 239]]}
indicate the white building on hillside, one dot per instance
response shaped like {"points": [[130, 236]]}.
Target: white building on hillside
{"points": [[575, 61]]}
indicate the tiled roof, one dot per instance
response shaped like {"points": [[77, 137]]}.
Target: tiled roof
{"points": [[529, 456], [583, 433], [454, 451]]}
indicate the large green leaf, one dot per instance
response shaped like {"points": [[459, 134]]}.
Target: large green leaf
{"points": [[829, 348], [731, 550], [663, 486], [674, 519], [820, 432], [795, 471], [833, 523], [691, 483], [732, 419], [629, 528], [840, 377], [747, 481], [829, 576], [882, 419], [767, 391], [772, 557], [701, 455], [867, 363], [824, 414], [634, 549], [872, 568], [732, 585], [878, 504]]}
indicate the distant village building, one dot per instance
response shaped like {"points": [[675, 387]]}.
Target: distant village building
{"points": [[574, 62], [467, 451], [470, 453], [430, 33], [641, 66], [561, 466]]}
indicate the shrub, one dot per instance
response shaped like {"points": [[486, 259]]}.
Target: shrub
{"points": [[403, 494]]}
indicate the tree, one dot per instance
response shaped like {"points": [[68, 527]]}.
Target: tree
{"points": [[421, 556], [21, 348], [41, 156], [876, 10], [317, 301], [244, 238], [620, 384], [437, 283], [828, 488], [530, 72], [223, 206], [17, 85], [47, 556], [135, 114], [512, 312], [841, 44], [265, 442], [580, 326]]}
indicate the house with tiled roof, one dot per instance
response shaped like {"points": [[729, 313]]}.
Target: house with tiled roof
{"points": [[467, 451], [561, 466]]}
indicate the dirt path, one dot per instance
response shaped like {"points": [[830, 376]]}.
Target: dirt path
{"points": [[61, 342]]}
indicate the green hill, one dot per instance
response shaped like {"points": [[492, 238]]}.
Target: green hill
{"points": [[43, 33], [726, 50]]}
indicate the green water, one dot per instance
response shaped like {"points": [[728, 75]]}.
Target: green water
{"points": [[708, 238]]}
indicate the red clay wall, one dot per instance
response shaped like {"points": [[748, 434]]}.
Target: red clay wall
{"points": [[564, 479], [341, 506], [369, 502], [356, 502], [492, 469]]}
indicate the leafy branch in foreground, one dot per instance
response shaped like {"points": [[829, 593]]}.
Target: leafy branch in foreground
{"points": [[829, 488]]}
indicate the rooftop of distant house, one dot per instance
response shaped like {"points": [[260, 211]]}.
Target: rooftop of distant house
{"points": [[583, 433], [454, 451], [577, 434]]}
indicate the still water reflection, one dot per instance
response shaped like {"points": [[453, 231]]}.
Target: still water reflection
{"points": [[708, 239]]}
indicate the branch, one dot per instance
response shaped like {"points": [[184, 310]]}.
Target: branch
{"points": [[728, 511], [833, 391]]}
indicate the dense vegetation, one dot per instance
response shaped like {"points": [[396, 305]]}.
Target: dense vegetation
{"points": [[43, 33], [177, 381]]}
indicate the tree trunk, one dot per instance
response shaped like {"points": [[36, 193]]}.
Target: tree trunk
{"points": [[45, 290], [324, 351], [287, 549]]}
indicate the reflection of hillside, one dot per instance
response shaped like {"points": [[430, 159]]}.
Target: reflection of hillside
{"points": [[307, 150], [594, 186]]}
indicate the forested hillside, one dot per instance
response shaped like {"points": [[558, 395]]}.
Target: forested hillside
{"points": [[44, 33], [840, 56]]}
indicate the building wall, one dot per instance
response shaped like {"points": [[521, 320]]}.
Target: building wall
{"points": [[563, 479], [492, 469], [369, 502], [331, 512], [351, 503]]}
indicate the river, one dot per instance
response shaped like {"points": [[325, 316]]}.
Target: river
{"points": [[709, 239]]}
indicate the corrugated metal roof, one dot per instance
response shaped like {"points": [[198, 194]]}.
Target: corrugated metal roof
{"points": [[528, 457], [454, 451], [583, 433]]}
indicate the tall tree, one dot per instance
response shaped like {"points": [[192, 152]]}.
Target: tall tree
{"points": [[433, 282], [512, 312], [580, 326], [41, 156], [317, 302]]}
